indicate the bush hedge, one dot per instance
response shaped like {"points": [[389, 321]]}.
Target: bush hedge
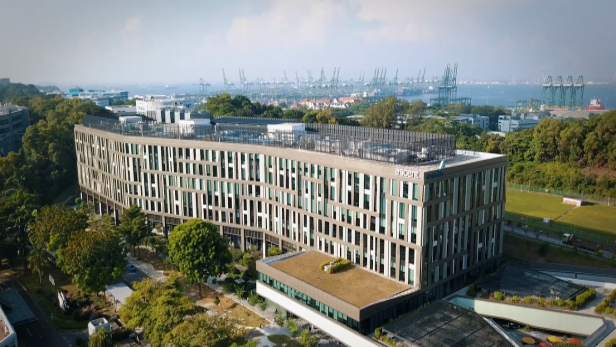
{"points": [[338, 265], [499, 296], [604, 305], [472, 290], [611, 343], [587, 295]]}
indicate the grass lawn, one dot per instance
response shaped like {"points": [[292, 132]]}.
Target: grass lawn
{"points": [[535, 204], [47, 292], [529, 250], [599, 217], [280, 339]]}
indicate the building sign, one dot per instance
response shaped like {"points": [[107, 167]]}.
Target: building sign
{"points": [[407, 173], [435, 174]]}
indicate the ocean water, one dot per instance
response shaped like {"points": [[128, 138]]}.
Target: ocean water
{"points": [[503, 95]]}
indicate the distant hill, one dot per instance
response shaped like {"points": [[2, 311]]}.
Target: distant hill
{"points": [[15, 90]]}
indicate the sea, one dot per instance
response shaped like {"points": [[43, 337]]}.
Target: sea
{"points": [[494, 94]]}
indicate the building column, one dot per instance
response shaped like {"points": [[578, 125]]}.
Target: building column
{"points": [[243, 240], [264, 246]]}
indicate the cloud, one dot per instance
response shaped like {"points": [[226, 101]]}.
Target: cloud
{"points": [[285, 23], [131, 32]]}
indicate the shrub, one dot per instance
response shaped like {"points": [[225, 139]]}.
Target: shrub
{"points": [[611, 343], [601, 307], [214, 281], [227, 287], [586, 296], [541, 302], [273, 251], [499, 296], [279, 319], [240, 292], [472, 290], [515, 299], [599, 253], [253, 298], [560, 303], [216, 300], [263, 305], [570, 304], [338, 265], [609, 310], [293, 327], [527, 328], [528, 300], [388, 341], [377, 333]]}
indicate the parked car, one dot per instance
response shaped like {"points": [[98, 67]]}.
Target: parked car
{"points": [[131, 267]]}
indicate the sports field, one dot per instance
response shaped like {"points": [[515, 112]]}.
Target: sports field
{"points": [[535, 204], [598, 217]]}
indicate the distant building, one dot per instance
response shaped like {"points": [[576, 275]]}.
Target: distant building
{"points": [[5, 81], [13, 123], [149, 105], [175, 115], [122, 110], [518, 121], [101, 98], [473, 119]]}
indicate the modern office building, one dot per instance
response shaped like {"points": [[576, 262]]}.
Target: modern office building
{"points": [[13, 123], [101, 98], [151, 105], [518, 121], [473, 119], [417, 218]]}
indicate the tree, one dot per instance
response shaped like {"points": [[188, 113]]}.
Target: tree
{"points": [[384, 113], [273, 251], [134, 226], [206, 330], [198, 250], [53, 224], [326, 117], [38, 259], [16, 211], [308, 340], [95, 258], [157, 307], [293, 327], [99, 339]]}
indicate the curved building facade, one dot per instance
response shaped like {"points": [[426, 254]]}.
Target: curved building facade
{"points": [[404, 206]]}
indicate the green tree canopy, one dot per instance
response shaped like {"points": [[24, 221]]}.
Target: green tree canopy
{"points": [[385, 113], [134, 227], [198, 250], [158, 307], [206, 330], [56, 223], [95, 258]]}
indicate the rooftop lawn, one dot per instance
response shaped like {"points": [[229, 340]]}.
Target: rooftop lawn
{"points": [[354, 285], [535, 204], [599, 217]]}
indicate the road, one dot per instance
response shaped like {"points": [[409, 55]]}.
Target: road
{"points": [[41, 332]]}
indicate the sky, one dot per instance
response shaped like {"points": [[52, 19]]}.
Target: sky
{"points": [[118, 42]]}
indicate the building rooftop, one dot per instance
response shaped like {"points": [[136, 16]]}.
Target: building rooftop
{"points": [[517, 280], [382, 145], [444, 324], [9, 108], [354, 285]]}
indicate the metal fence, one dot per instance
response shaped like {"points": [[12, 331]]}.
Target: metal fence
{"points": [[591, 198], [397, 147]]}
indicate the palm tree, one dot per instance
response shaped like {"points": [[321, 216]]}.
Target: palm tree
{"points": [[99, 339], [38, 258]]}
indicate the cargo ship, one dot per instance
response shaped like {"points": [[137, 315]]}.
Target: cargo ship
{"points": [[595, 104], [408, 91]]}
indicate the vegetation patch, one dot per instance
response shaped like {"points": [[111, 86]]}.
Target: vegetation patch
{"points": [[535, 204], [283, 339], [335, 265]]}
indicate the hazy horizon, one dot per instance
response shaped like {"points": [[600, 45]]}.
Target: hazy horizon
{"points": [[68, 42]]}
